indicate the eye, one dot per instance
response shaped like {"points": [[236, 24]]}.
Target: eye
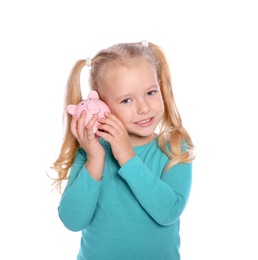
{"points": [[151, 93], [126, 101]]}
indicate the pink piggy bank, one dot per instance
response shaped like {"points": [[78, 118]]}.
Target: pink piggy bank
{"points": [[93, 105]]}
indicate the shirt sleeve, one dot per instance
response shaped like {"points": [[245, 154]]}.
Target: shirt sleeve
{"points": [[79, 199], [163, 198]]}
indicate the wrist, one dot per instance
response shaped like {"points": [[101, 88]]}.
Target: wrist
{"points": [[95, 168], [122, 159]]}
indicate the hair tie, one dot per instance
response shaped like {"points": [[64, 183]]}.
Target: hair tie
{"points": [[145, 43], [88, 62]]}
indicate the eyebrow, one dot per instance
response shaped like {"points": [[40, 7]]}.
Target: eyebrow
{"points": [[124, 96], [155, 86]]}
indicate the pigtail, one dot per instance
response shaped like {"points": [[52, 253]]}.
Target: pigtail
{"points": [[171, 127], [70, 144]]}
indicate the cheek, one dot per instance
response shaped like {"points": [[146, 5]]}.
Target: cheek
{"points": [[123, 115], [120, 112]]}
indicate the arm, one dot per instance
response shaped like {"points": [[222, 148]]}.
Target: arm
{"points": [[78, 202], [164, 199]]}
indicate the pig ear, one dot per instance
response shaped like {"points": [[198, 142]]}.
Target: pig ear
{"points": [[93, 94], [71, 109]]}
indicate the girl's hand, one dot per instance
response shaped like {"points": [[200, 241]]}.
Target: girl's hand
{"points": [[90, 143], [113, 130]]}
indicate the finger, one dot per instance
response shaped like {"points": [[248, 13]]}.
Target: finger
{"points": [[91, 123], [111, 131], [81, 123], [104, 134], [111, 119]]}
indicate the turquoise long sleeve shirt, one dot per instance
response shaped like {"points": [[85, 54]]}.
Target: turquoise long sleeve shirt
{"points": [[133, 213]]}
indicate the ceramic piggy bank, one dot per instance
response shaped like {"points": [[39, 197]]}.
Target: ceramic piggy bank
{"points": [[93, 105]]}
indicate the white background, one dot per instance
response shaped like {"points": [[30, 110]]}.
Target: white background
{"points": [[213, 54]]}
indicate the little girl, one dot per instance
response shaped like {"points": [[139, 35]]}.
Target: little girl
{"points": [[129, 182]]}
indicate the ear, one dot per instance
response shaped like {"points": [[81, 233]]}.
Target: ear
{"points": [[93, 94], [71, 109]]}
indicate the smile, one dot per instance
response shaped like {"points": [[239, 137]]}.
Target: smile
{"points": [[145, 121], [96, 113]]}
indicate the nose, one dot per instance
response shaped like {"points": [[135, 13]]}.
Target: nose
{"points": [[143, 107], [92, 106]]}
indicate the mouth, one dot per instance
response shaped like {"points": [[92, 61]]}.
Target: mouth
{"points": [[144, 121], [96, 112]]}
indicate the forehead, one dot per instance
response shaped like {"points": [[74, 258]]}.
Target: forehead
{"points": [[116, 68], [125, 71], [126, 62], [129, 79]]}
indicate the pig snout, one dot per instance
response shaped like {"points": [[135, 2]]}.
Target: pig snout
{"points": [[92, 106]]}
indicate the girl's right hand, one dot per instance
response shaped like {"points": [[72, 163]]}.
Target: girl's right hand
{"points": [[90, 143]]}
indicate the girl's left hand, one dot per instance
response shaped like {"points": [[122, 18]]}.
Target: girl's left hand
{"points": [[113, 130]]}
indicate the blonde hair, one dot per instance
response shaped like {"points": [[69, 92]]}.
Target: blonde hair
{"points": [[171, 128]]}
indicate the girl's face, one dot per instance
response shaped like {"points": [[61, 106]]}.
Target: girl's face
{"points": [[133, 95]]}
